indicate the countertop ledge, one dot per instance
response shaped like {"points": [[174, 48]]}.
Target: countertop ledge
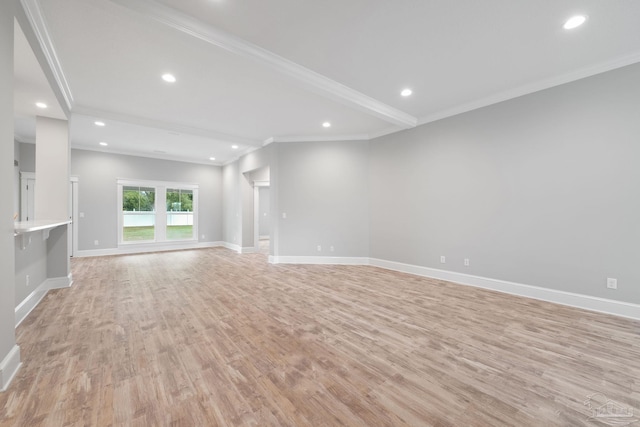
{"points": [[21, 227]]}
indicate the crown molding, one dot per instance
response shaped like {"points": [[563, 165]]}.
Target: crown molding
{"points": [[163, 125], [533, 87], [38, 28], [312, 80], [327, 138], [228, 162], [319, 138], [383, 132], [155, 156]]}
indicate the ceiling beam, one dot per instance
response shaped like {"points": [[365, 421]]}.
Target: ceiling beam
{"points": [[311, 80]]}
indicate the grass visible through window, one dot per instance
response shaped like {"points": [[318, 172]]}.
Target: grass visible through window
{"points": [[174, 232], [179, 232]]}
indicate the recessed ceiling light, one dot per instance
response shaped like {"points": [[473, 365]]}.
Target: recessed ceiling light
{"points": [[169, 78], [41, 105], [104, 144], [98, 123], [212, 158], [326, 125], [235, 147], [406, 92], [574, 22]]}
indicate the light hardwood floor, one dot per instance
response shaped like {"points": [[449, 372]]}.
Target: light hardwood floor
{"points": [[210, 337]]}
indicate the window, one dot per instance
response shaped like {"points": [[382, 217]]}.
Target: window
{"points": [[179, 214], [138, 212], [143, 220]]}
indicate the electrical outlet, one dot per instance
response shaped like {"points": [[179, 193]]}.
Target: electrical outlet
{"points": [[284, 215], [466, 262], [96, 243], [319, 248], [612, 283], [203, 237], [443, 259], [331, 249]]}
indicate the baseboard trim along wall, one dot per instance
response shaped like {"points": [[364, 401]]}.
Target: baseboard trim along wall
{"points": [[59, 282], [144, 248], [601, 305], [29, 303], [231, 246], [9, 367], [324, 260]]}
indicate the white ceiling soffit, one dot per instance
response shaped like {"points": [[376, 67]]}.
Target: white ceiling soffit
{"points": [[215, 136], [30, 85], [124, 137], [34, 14], [315, 81]]}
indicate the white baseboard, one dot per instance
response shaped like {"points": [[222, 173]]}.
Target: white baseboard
{"points": [[248, 250], [323, 260], [9, 367], [143, 248], [58, 282], [29, 303], [586, 302], [232, 247]]}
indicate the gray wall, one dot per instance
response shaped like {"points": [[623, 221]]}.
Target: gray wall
{"points": [[27, 157], [30, 261], [232, 231], [264, 222], [16, 179], [97, 196], [542, 190], [7, 256], [323, 188]]}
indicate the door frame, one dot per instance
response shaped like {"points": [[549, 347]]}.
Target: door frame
{"points": [[24, 198], [73, 215], [256, 212]]}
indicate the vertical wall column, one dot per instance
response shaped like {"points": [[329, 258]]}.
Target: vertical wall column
{"points": [[51, 197], [51, 201], [9, 351]]}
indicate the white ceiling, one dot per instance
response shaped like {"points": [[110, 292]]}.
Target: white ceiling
{"points": [[255, 71], [31, 86]]}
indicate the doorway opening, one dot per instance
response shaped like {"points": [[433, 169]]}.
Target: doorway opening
{"points": [[261, 216]]}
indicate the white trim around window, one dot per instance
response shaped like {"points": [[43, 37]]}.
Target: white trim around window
{"points": [[159, 212]]}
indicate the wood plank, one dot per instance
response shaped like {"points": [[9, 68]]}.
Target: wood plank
{"points": [[212, 338]]}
